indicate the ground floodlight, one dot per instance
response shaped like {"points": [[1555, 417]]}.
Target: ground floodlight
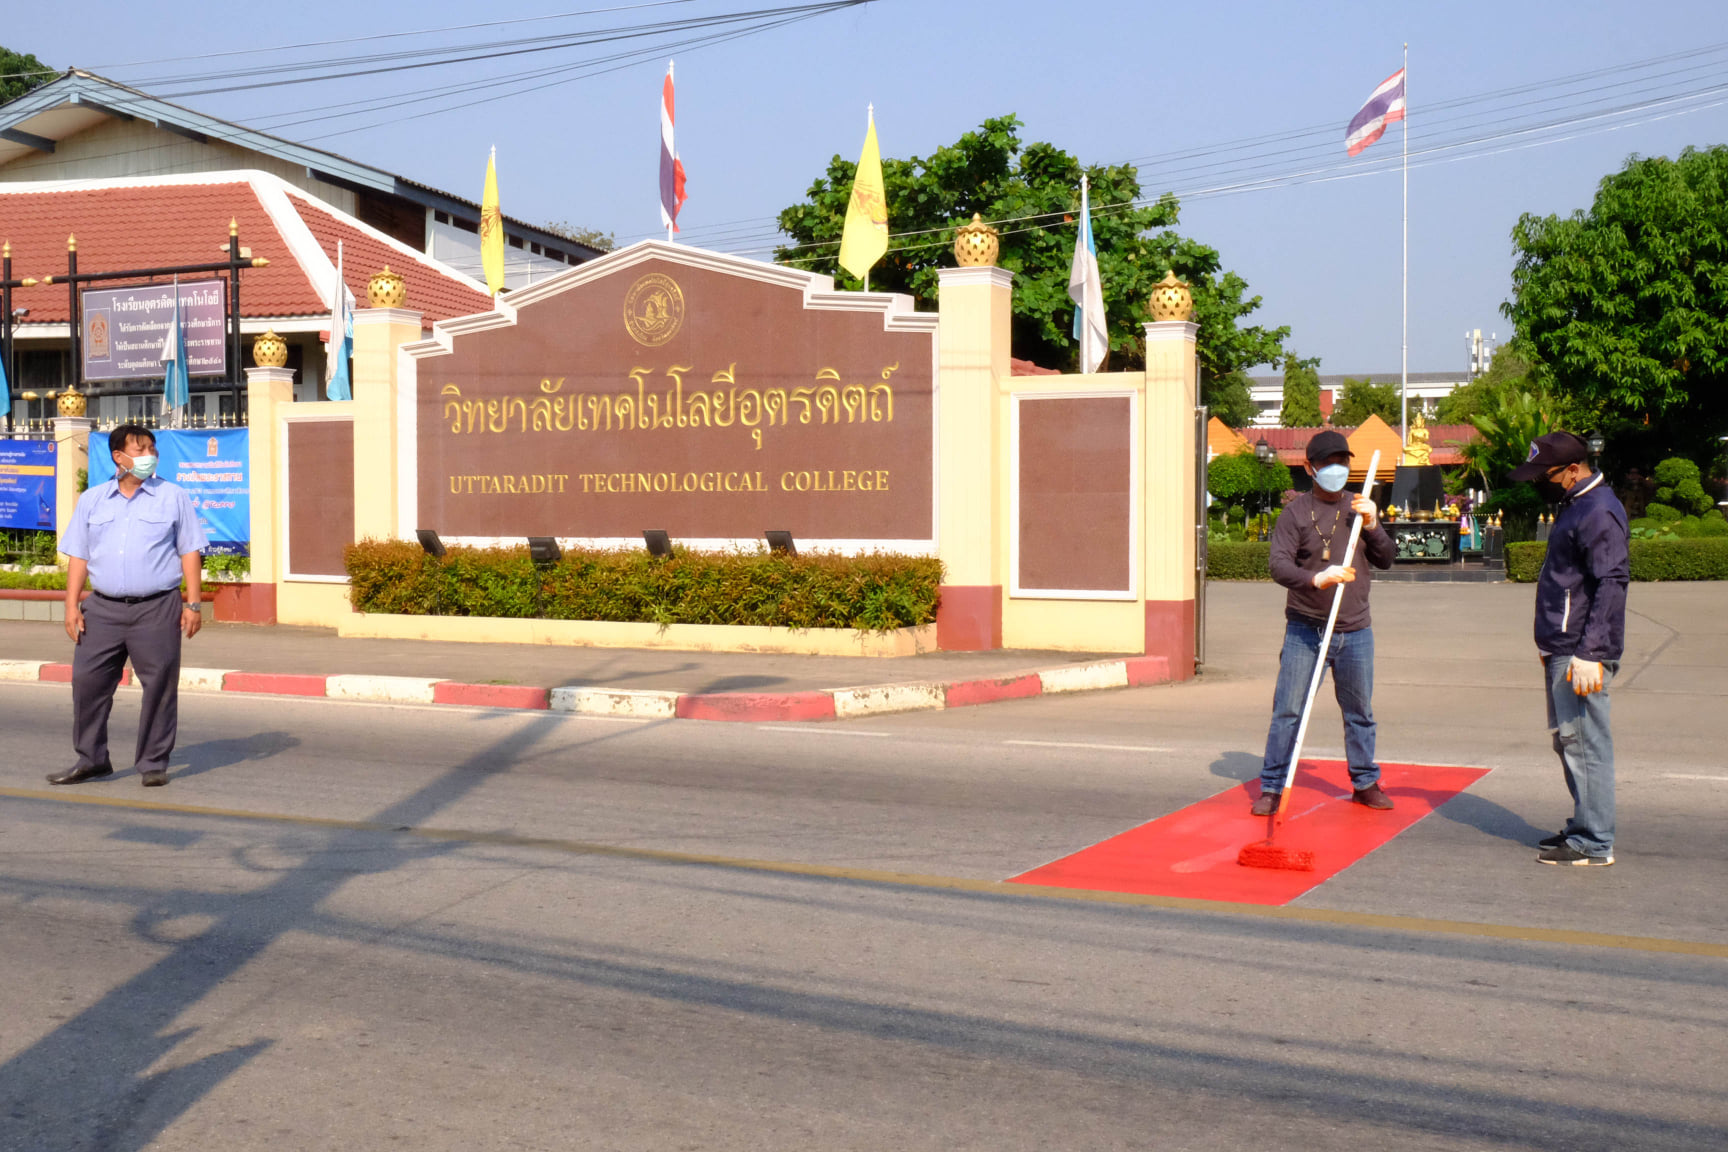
{"points": [[544, 550], [659, 543], [781, 542], [430, 542]]}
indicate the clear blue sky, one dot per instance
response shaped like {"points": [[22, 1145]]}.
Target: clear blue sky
{"points": [[758, 118]]}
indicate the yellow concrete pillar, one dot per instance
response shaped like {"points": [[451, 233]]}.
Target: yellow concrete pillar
{"points": [[267, 391], [974, 346], [1170, 443], [71, 452], [378, 334]]}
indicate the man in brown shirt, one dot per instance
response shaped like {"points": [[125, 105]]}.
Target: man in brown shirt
{"points": [[1308, 544]]}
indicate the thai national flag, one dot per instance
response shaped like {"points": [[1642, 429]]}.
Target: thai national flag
{"points": [[1385, 106], [671, 168]]}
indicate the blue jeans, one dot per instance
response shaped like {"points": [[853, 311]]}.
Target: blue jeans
{"points": [[1585, 744], [1351, 659]]}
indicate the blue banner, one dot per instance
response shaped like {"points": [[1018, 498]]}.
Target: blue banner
{"points": [[214, 465], [27, 484]]}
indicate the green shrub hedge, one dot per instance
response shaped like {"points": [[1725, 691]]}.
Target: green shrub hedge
{"points": [[1239, 560], [1698, 559], [877, 592], [39, 580]]}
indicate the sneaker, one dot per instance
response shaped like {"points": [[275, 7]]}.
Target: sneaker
{"points": [[1372, 797], [1566, 854], [1265, 804], [1553, 841]]}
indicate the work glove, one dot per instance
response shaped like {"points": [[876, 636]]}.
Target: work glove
{"points": [[1585, 676], [1366, 509], [1336, 574]]}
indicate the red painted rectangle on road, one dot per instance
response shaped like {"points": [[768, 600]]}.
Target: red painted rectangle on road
{"points": [[1192, 852]]}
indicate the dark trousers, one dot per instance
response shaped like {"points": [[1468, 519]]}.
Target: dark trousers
{"points": [[148, 634]]}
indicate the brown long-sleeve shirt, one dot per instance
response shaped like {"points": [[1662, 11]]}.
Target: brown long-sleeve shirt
{"points": [[1298, 542]]}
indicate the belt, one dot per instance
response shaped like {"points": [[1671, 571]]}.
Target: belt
{"points": [[136, 599]]}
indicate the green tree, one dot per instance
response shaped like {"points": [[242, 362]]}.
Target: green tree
{"points": [[593, 237], [1510, 370], [1232, 479], [1032, 191], [1360, 399], [1624, 304], [1301, 393], [20, 72]]}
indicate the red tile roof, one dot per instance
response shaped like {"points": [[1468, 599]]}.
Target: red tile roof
{"points": [[153, 225], [434, 295]]}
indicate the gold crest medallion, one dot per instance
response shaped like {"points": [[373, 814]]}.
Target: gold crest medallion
{"points": [[653, 310]]}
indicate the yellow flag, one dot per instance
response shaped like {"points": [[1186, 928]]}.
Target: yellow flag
{"points": [[492, 229], [866, 235]]}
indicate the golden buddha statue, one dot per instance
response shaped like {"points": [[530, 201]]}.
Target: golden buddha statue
{"points": [[1417, 451]]}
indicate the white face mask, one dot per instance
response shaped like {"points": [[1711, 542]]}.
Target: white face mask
{"points": [[1332, 477], [143, 467]]}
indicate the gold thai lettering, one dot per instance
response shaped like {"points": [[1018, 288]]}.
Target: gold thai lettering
{"points": [[649, 408]]}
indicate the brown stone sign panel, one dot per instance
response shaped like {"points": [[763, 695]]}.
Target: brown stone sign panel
{"points": [[660, 387]]}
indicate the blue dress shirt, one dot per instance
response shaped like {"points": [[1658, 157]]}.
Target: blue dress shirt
{"points": [[133, 546]]}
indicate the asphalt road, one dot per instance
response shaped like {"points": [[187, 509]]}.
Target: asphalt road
{"points": [[461, 929]]}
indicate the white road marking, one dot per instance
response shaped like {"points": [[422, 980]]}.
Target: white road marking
{"points": [[443, 709], [824, 731], [1095, 747], [1688, 776]]}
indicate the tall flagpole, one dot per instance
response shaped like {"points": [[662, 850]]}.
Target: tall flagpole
{"points": [[1404, 367]]}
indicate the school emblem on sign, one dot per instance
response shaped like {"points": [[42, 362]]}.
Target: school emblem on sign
{"points": [[97, 337], [653, 310]]}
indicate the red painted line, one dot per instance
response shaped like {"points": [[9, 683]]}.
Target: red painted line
{"points": [[491, 695], [965, 693], [62, 674], [1147, 670], [274, 684], [1192, 852], [756, 706]]}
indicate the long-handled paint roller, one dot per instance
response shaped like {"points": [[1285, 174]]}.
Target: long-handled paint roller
{"points": [[1264, 853]]}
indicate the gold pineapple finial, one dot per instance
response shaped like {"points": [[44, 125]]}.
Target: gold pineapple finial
{"points": [[976, 245], [233, 226], [71, 243]]}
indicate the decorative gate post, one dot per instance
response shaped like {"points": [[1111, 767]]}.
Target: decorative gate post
{"points": [[976, 309], [1172, 390], [71, 452], [268, 390], [379, 331]]}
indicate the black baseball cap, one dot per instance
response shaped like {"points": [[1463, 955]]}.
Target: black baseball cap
{"points": [[1327, 443], [1549, 452]]}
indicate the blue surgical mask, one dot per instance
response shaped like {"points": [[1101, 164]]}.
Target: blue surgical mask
{"points": [[143, 467], [1332, 477]]}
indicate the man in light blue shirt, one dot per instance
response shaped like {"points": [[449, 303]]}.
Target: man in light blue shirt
{"points": [[138, 539]]}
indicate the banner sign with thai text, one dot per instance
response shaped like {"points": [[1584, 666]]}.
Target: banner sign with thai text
{"points": [[27, 484], [715, 399], [214, 465], [126, 328]]}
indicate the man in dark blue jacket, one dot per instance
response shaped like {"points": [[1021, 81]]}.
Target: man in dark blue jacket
{"points": [[1581, 632]]}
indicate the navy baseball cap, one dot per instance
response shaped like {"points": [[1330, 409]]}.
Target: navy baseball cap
{"points": [[1550, 452], [1327, 443]]}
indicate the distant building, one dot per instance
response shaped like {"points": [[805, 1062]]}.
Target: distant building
{"points": [[1427, 389], [82, 126]]}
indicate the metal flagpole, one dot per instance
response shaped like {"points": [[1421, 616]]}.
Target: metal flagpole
{"points": [[1404, 366]]}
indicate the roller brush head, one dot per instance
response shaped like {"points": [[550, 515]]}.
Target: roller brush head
{"points": [[1269, 855]]}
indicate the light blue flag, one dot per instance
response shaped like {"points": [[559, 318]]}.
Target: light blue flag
{"points": [[341, 346], [1086, 289], [5, 390], [176, 380]]}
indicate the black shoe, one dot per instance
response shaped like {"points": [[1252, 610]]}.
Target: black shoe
{"points": [[1372, 797], [155, 778], [1566, 854], [79, 775], [1553, 841], [1265, 804]]}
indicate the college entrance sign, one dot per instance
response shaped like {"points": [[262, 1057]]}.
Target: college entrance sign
{"points": [[712, 397]]}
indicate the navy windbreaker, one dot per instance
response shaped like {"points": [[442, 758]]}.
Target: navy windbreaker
{"points": [[1581, 594]]}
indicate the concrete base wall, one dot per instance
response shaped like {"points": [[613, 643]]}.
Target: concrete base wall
{"points": [[613, 634]]}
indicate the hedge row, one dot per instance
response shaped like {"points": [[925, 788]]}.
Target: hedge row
{"points": [[877, 592], [1239, 560], [1704, 559], [40, 580]]}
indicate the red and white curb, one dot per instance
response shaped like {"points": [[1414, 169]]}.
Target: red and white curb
{"points": [[821, 704]]}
